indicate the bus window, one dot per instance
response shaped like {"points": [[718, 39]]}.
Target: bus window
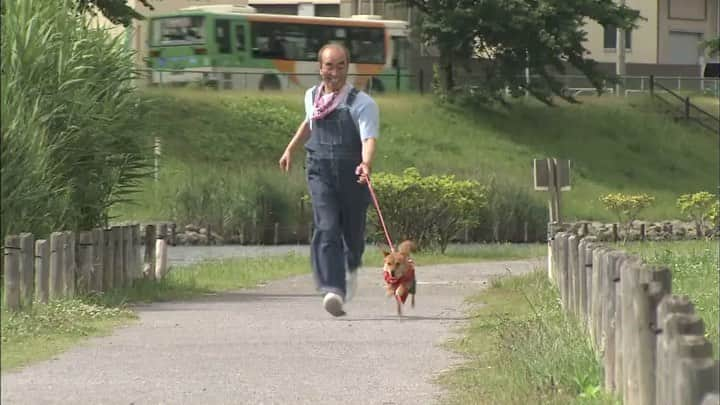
{"points": [[240, 38], [400, 52], [367, 45], [178, 30], [222, 35]]}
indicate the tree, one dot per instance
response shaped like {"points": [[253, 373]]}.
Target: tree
{"points": [[712, 45], [117, 11], [510, 35]]}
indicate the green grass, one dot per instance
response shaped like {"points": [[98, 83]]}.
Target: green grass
{"points": [[520, 348], [467, 253], [694, 266]]}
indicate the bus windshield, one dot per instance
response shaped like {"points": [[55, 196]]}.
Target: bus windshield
{"points": [[179, 30]]}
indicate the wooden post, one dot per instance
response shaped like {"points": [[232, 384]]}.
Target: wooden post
{"points": [[42, 271], [85, 262], [99, 249], [581, 286], [27, 268], [574, 279], [615, 236], [596, 299], [588, 268], [632, 296], [136, 267], [161, 253], [57, 265], [117, 256], [563, 269], [655, 283], [70, 264], [642, 233], [612, 260], [109, 259], [149, 259], [618, 376], [525, 232], [12, 272], [670, 324], [696, 373], [276, 233], [173, 234], [127, 255], [585, 229]]}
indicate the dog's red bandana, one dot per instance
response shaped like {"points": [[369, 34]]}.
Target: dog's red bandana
{"points": [[408, 277]]}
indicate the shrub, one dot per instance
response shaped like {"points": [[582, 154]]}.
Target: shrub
{"points": [[699, 208], [429, 210], [626, 207], [71, 146]]}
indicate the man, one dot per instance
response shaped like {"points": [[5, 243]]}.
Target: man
{"points": [[340, 127]]}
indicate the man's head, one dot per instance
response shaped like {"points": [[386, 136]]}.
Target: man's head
{"points": [[334, 61]]}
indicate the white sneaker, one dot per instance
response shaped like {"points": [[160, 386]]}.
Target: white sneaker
{"points": [[350, 284], [333, 303]]}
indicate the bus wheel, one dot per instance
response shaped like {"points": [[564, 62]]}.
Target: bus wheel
{"points": [[374, 85], [269, 82]]}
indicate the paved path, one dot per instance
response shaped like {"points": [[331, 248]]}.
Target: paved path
{"points": [[270, 345]]}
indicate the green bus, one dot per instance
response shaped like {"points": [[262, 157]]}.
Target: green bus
{"points": [[233, 47]]}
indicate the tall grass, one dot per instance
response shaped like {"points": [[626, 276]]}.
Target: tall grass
{"points": [[69, 118]]}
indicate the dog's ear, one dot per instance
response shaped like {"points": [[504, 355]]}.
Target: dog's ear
{"points": [[385, 253]]}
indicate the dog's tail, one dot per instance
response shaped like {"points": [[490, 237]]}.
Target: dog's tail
{"points": [[406, 247]]}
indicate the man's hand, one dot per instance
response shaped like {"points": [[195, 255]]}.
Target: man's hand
{"points": [[285, 161], [363, 171]]}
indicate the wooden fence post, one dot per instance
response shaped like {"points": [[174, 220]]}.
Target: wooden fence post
{"points": [[596, 298], [70, 264], [117, 256], [574, 279], [57, 265], [85, 262], [696, 372], [670, 324], [588, 268], [630, 286], [12, 272], [612, 259], [42, 271], [563, 269], [99, 249], [109, 259], [27, 268], [655, 283], [136, 249], [127, 255], [276, 233], [149, 266]]}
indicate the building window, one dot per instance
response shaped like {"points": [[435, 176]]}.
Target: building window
{"points": [[610, 38]]}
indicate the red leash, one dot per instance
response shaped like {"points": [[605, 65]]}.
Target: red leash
{"points": [[377, 207]]}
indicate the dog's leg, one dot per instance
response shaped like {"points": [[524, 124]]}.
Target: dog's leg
{"points": [[412, 300], [399, 306]]}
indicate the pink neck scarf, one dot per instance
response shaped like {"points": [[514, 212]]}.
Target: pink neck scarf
{"points": [[324, 104]]}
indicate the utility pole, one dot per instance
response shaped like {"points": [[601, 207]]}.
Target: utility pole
{"points": [[620, 52]]}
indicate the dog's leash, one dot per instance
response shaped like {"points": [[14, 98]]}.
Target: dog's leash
{"points": [[377, 208]]}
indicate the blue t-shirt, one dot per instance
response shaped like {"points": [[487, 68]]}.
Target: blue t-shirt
{"points": [[364, 111]]}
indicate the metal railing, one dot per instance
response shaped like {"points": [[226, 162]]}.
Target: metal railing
{"points": [[686, 107]]}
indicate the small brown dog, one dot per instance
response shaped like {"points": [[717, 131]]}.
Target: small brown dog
{"points": [[399, 274]]}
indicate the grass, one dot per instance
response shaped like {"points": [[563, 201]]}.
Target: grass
{"points": [[614, 146], [468, 253], [520, 348], [694, 266]]}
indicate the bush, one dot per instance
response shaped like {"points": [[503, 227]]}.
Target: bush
{"points": [[626, 207], [698, 207], [509, 207], [429, 210], [70, 124]]}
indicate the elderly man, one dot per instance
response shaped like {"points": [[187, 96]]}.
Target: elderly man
{"points": [[339, 131]]}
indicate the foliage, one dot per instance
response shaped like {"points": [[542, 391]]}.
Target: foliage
{"points": [[117, 11], [626, 207], [712, 45], [70, 119], [429, 210], [698, 207], [509, 35]]}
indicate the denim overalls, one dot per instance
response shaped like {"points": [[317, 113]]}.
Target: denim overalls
{"points": [[339, 202]]}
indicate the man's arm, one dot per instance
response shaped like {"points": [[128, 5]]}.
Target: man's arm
{"points": [[369, 126], [300, 136]]}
